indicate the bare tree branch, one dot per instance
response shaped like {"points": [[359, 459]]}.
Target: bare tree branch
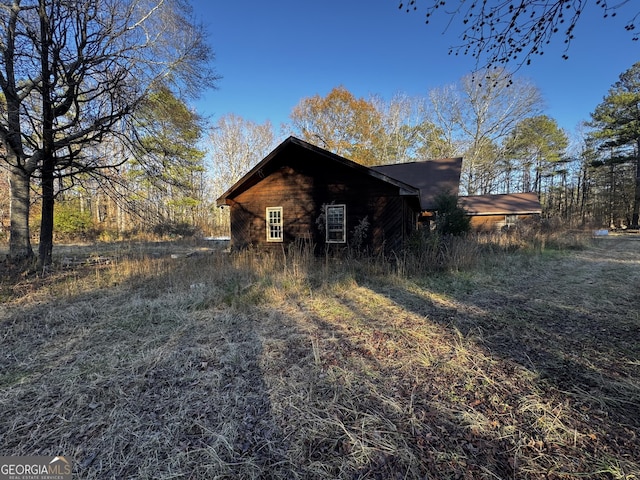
{"points": [[507, 31]]}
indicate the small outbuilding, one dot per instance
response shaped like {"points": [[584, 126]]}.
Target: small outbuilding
{"points": [[501, 211]]}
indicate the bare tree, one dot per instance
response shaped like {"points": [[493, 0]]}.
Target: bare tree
{"points": [[408, 131], [516, 30], [73, 75], [236, 145], [476, 117]]}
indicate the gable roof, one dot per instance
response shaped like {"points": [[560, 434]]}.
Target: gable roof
{"points": [[293, 144], [502, 204], [431, 177]]}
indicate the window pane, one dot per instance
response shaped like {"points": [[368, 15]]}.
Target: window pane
{"points": [[274, 224], [335, 223]]}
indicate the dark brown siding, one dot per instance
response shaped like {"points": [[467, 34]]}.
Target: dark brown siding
{"points": [[301, 186], [241, 220]]}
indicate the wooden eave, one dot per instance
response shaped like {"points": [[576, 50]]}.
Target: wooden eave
{"points": [[519, 212]]}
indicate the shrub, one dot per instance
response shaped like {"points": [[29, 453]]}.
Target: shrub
{"points": [[69, 222], [431, 251], [359, 234], [451, 219]]}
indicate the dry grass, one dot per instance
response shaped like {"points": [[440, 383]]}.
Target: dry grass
{"points": [[525, 366]]}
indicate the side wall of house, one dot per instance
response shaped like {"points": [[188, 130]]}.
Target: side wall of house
{"points": [[282, 188], [301, 186], [488, 223]]}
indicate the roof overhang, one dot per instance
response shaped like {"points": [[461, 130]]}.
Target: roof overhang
{"points": [[430, 177]]}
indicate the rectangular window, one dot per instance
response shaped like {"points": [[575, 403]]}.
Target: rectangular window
{"points": [[274, 224], [510, 220], [336, 223]]}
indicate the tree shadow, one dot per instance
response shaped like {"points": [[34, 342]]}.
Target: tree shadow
{"points": [[380, 420], [141, 382], [185, 375], [579, 358]]}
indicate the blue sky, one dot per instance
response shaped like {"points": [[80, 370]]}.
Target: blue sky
{"points": [[273, 54]]}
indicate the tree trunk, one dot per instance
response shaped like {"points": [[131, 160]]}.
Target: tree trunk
{"points": [[636, 201], [583, 195], [19, 240], [612, 196], [45, 248], [48, 160]]}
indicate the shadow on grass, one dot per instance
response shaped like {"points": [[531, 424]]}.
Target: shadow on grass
{"points": [[388, 423], [583, 353], [154, 378], [206, 370]]}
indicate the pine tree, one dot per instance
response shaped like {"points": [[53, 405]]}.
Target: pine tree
{"points": [[616, 123]]}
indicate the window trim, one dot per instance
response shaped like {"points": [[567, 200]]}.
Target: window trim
{"points": [[269, 225], [343, 207]]}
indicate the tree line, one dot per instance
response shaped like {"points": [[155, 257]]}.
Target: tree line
{"points": [[494, 120], [180, 165]]}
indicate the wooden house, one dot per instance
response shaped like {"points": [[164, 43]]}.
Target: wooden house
{"points": [[498, 212], [301, 192]]}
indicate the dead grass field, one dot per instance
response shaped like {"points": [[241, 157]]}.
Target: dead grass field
{"points": [[143, 366]]}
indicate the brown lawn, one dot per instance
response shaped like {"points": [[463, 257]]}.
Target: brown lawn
{"points": [[138, 365]]}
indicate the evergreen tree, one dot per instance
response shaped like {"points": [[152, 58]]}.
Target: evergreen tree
{"points": [[616, 123], [536, 147], [451, 219], [168, 162]]}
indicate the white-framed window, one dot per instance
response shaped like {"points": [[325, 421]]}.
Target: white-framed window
{"points": [[336, 223], [274, 224]]}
